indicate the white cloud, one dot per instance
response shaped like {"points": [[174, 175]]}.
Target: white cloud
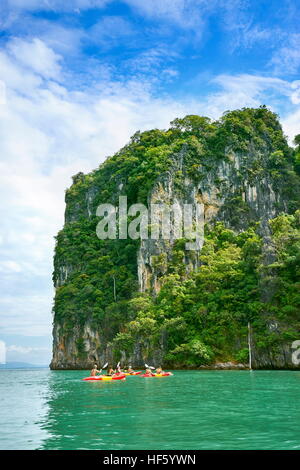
{"points": [[27, 311], [155, 59], [291, 124], [286, 59], [187, 14], [10, 266], [24, 349], [2, 93], [65, 40], [57, 5], [36, 56], [110, 30], [295, 96], [168, 9]]}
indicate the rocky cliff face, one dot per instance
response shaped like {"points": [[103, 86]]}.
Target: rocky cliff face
{"points": [[243, 183], [225, 193]]}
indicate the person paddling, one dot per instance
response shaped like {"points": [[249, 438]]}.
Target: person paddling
{"points": [[119, 371], [110, 371], [161, 372], [95, 371]]}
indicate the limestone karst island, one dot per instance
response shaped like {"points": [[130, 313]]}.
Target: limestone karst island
{"points": [[236, 295]]}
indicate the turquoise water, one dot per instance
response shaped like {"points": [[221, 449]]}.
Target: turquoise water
{"points": [[42, 409]]}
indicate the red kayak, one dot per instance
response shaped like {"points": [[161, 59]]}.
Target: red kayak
{"points": [[106, 377]]}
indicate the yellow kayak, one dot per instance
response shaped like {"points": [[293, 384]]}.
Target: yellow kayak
{"points": [[105, 377], [165, 374], [132, 373]]}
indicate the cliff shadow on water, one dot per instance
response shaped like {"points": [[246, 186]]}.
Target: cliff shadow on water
{"points": [[153, 299]]}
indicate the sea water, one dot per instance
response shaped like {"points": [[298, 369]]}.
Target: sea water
{"points": [[43, 409]]}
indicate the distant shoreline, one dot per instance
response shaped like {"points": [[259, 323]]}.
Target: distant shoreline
{"points": [[20, 365]]}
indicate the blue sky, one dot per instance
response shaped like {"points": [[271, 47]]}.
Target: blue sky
{"points": [[77, 78]]}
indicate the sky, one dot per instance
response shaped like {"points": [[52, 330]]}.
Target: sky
{"points": [[78, 78]]}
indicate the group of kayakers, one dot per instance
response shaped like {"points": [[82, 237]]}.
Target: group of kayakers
{"points": [[127, 371]]}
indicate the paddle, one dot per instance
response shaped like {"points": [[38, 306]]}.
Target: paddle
{"points": [[104, 367]]}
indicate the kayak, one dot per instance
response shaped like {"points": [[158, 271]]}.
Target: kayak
{"points": [[133, 373], [105, 377], [165, 374]]}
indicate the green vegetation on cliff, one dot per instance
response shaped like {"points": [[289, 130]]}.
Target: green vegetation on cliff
{"points": [[205, 316], [248, 269]]}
